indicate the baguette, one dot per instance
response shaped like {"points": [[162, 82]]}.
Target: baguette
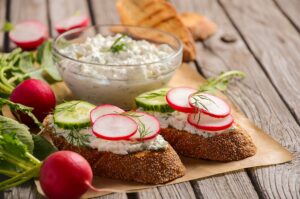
{"points": [[148, 167], [232, 146]]}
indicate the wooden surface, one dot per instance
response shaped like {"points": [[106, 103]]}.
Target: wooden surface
{"points": [[2, 21], [267, 48]]}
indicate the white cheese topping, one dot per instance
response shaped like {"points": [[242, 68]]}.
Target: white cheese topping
{"points": [[97, 50], [116, 81], [178, 120], [122, 147]]}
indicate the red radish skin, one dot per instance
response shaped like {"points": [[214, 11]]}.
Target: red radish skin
{"points": [[72, 23], [65, 174], [220, 102], [178, 99], [150, 122], [104, 110], [28, 35], [208, 123], [114, 127], [36, 94]]}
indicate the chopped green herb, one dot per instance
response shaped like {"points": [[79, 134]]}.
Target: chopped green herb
{"points": [[221, 82], [118, 45], [76, 138]]}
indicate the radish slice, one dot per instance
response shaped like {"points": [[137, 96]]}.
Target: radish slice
{"points": [[208, 123], [147, 124], [209, 104], [114, 127], [71, 23], [104, 110], [29, 34], [178, 99]]}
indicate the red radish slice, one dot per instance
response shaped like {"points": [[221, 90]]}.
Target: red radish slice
{"points": [[178, 99], [104, 110], [147, 124], [114, 127], [209, 104], [71, 23], [29, 34], [208, 123]]}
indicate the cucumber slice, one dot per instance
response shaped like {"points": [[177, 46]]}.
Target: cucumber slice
{"points": [[154, 101], [73, 114]]}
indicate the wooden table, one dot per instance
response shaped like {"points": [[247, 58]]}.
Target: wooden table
{"points": [[266, 46]]}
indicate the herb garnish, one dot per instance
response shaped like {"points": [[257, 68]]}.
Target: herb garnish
{"points": [[221, 82], [76, 138], [143, 130], [141, 126], [118, 45], [70, 107], [197, 97], [151, 95]]}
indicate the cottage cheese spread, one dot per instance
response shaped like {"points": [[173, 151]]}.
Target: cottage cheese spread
{"points": [[178, 120], [122, 147], [117, 78]]}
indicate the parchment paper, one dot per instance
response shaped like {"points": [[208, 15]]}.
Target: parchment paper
{"points": [[268, 150]]}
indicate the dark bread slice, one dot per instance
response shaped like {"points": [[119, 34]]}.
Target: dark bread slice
{"points": [[231, 146], [148, 167]]}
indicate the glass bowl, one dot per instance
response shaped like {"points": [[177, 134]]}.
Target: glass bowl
{"points": [[115, 83]]}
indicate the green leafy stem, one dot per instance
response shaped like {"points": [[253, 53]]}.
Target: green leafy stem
{"points": [[19, 107]]}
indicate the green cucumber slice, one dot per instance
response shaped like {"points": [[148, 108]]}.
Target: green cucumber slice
{"points": [[73, 114], [154, 101]]}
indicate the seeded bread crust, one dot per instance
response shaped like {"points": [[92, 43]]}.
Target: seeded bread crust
{"points": [[224, 147], [148, 167]]}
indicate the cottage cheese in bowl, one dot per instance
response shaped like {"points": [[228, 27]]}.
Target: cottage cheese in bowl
{"points": [[116, 68]]}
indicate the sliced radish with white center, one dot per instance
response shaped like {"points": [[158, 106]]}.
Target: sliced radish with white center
{"points": [[114, 127], [209, 104], [71, 23], [148, 126], [29, 34], [104, 110], [208, 123], [178, 99]]}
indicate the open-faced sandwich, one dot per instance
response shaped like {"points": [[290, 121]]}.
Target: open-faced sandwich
{"points": [[117, 144], [197, 124]]}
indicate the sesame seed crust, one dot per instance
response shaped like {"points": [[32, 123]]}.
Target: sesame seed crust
{"points": [[148, 167], [225, 147]]}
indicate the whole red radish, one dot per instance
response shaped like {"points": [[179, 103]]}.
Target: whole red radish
{"points": [[65, 174], [28, 35], [71, 23], [36, 94]]}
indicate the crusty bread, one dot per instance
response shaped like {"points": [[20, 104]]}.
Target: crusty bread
{"points": [[148, 167], [232, 146], [200, 26], [157, 14]]}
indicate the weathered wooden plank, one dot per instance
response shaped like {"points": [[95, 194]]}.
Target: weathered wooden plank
{"points": [[28, 10], [231, 185], [27, 190], [2, 20], [255, 95], [60, 9], [105, 13], [274, 42], [291, 9]]}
